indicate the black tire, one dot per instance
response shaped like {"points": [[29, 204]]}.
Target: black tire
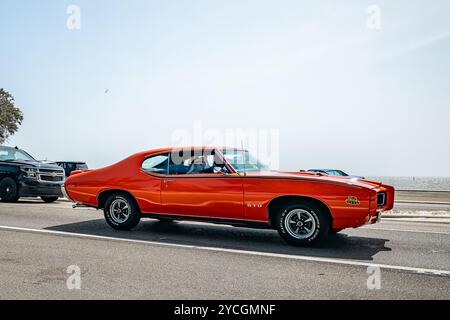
{"points": [[334, 231], [312, 218], [9, 191], [49, 199], [130, 216]]}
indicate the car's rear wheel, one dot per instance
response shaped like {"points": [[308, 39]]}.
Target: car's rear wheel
{"points": [[49, 199], [122, 212], [302, 224], [9, 191]]}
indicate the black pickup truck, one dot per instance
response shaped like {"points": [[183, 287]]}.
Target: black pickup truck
{"points": [[23, 176], [70, 166]]}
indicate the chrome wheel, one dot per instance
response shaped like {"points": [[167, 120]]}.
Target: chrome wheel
{"points": [[120, 210], [300, 224]]}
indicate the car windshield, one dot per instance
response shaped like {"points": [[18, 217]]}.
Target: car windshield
{"points": [[336, 173], [12, 154], [243, 161]]}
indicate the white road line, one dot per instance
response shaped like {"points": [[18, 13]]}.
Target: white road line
{"points": [[39, 206], [245, 252]]}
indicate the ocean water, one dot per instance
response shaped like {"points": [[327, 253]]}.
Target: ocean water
{"points": [[417, 183]]}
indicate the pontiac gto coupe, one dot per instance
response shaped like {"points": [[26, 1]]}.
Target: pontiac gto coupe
{"points": [[227, 186]]}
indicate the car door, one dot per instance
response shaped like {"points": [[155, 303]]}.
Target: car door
{"points": [[198, 185], [147, 187]]}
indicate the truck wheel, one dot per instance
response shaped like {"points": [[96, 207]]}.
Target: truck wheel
{"points": [[9, 192], [302, 224], [121, 212], [49, 199]]}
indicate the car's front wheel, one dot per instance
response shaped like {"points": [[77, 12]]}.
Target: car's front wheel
{"points": [[49, 199], [302, 224], [122, 212], [9, 191]]}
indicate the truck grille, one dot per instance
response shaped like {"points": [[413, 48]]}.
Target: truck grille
{"points": [[52, 179], [381, 199], [51, 175], [50, 171]]}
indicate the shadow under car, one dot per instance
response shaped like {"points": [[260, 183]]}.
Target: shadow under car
{"points": [[341, 246]]}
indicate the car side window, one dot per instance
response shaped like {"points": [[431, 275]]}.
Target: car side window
{"points": [[156, 164], [195, 162]]}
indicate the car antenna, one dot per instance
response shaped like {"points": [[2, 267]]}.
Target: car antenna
{"points": [[243, 152]]}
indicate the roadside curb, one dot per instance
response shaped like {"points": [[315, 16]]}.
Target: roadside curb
{"points": [[401, 216], [441, 219], [419, 220], [423, 202]]}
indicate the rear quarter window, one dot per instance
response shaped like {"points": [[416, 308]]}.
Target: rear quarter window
{"points": [[156, 164]]}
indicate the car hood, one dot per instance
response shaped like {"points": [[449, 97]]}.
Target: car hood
{"points": [[315, 176]]}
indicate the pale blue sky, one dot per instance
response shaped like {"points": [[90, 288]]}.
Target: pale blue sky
{"points": [[340, 94]]}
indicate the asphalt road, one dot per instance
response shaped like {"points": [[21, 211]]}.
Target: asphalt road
{"points": [[202, 261]]}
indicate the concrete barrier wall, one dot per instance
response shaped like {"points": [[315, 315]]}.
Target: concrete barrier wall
{"points": [[422, 196]]}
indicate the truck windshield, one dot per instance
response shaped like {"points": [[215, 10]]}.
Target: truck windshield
{"points": [[242, 160], [81, 166], [12, 154]]}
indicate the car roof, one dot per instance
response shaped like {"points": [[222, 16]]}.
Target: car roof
{"points": [[170, 149]]}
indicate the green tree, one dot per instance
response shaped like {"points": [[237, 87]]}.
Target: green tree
{"points": [[10, 116]]}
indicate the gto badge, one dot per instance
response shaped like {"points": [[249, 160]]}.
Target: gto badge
{"points": [[351, 200]]}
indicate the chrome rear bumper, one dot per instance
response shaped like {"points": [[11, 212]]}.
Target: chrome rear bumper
{"points": [[74, 203], [374, 219], [64, 192]]}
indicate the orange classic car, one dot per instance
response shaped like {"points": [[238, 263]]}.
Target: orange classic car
{"points": [[227, 186]]}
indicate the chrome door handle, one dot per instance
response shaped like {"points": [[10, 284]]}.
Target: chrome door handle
{"points": [[166, 182]]}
